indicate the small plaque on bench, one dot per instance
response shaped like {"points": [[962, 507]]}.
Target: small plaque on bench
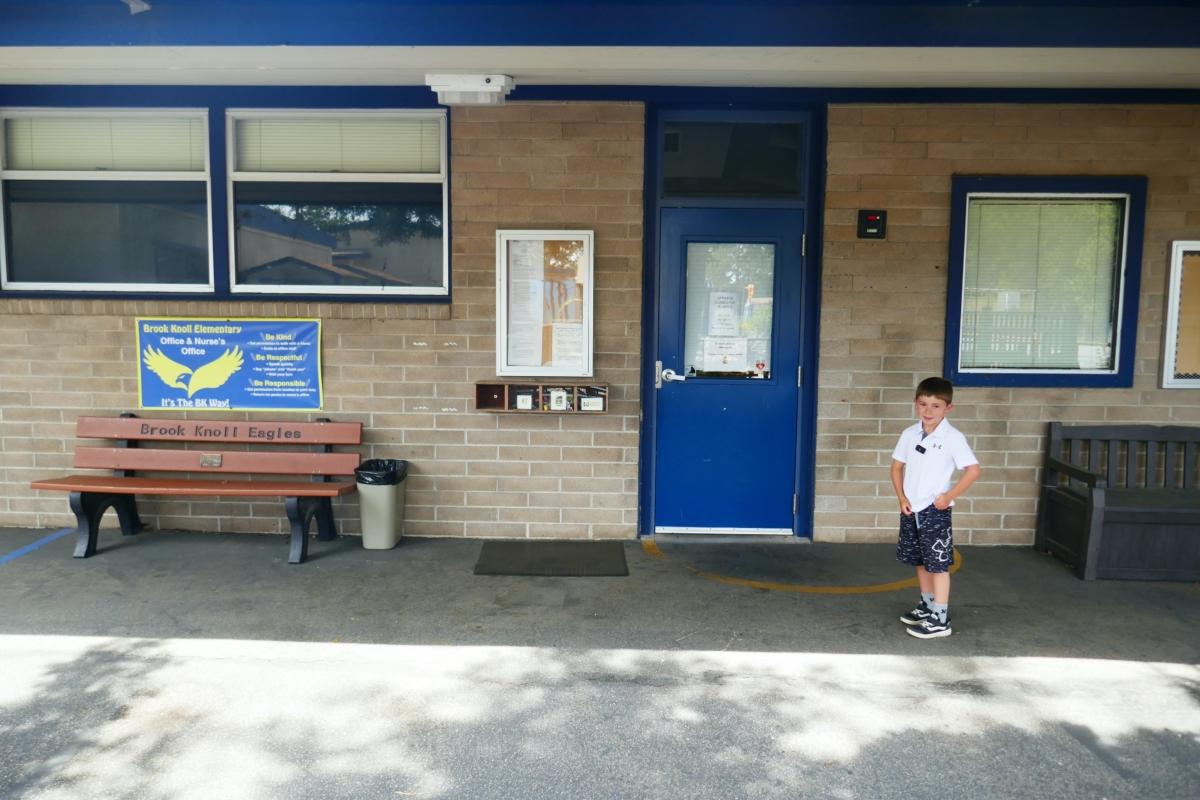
{"points": [[210, 460]]}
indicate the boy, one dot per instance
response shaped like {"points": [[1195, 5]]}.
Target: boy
{"points": [[923, 463]]}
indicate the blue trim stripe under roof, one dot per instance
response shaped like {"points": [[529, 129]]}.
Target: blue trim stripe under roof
{"points": [[777, 23]]}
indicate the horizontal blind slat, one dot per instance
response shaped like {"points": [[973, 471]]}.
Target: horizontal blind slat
{"points": [[317, 144], [102, 143]]}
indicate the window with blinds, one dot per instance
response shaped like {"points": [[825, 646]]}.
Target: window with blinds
{"points": [[322, 144], [116, 143], [1041, 283], [1044, 280], [103, 201], [339, 202]]}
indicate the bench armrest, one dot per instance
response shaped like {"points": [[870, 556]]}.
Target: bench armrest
{"points": [[1093, 479]]}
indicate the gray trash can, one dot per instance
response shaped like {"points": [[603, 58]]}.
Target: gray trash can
{"points": [[381, 500]]}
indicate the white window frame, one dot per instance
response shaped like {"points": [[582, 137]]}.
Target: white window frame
{"points": [[580, 369], [108, 175], [1171, 329], [233, 176], [1119, 284]]}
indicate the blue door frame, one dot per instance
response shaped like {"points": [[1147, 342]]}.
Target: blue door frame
{"points": [[809, 205]]}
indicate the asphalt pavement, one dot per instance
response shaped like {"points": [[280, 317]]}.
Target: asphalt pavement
{"points": [[190, 665]]}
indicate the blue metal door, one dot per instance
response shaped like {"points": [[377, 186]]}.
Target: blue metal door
{"points": [[727, 382]]}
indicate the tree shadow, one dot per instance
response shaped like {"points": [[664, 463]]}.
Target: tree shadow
{"points": [[225, 672], [70, 701], [305, 720]]}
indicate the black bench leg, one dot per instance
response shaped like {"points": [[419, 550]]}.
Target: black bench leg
{"points": [[300, 512], [89, 508], [299, 524], [326, 531], [127, 514]]}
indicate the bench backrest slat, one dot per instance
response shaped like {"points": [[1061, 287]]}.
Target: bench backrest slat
{"points": [[1114, 461], [1075, 446], [1155, 456], [1131, 463], [219, 431], [1169, 463], [1152, 463], [162, 460]]}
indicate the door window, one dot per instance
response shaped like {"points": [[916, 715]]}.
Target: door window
{"points": [[728, 316]]}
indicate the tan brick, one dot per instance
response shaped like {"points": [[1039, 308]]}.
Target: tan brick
{"points": [[559, 530], [999, 537], [528, 515], [560, 500], [560, 469], [465, 513], [593, 516], [869, 536]]}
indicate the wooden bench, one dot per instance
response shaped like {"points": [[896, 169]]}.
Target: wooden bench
{"points": [[1122, 501], [92, 495]]}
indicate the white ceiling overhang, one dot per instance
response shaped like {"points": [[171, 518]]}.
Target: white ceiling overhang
{"points": [[841, 67]]}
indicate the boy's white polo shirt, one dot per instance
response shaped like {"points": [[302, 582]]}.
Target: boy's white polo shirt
{"points": [[928, 474]]}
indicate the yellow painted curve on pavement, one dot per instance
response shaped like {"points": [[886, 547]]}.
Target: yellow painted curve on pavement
{"points": [[652, 549]]}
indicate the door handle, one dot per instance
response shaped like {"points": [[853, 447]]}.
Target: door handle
{"points": [[669, 374]]}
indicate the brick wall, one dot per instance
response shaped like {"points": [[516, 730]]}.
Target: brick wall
{"points": [[407, 371], [883, 302]]}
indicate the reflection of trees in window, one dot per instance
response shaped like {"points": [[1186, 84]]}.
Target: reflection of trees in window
{"points": [[748, 269], [563, 280], [378, 234], [387, 223], [742, 270]]}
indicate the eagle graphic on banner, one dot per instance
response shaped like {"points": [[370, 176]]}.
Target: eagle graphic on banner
{"points": [[207, 376]]}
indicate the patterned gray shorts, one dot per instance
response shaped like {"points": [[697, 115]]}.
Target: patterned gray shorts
{"points": [[926, 539]]}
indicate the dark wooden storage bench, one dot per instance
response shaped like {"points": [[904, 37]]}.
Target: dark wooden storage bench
{"points": [[307, 492], [1122, 501]]}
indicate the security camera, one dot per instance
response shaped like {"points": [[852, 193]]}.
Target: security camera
{"points": [[470, 90]]}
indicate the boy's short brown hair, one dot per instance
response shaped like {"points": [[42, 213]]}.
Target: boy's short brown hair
{"points": [[940, 388]]}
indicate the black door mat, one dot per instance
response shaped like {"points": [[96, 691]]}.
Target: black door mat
{"points": [[567, 559]]}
